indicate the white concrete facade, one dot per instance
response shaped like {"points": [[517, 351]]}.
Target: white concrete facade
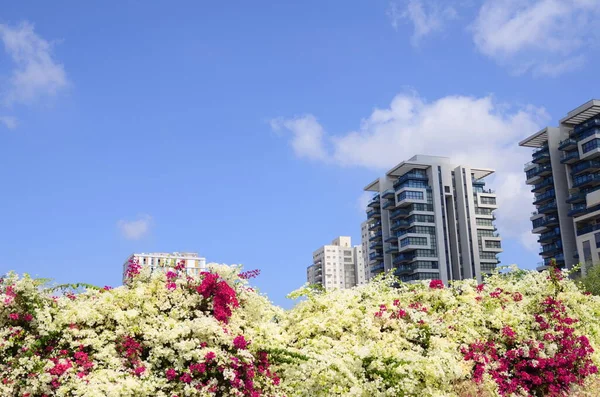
{"points": [[337, 265], [565, 177], [163, 261], [432, 219]]}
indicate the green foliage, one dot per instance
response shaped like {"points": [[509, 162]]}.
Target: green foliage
{"points": [[591, 281]]}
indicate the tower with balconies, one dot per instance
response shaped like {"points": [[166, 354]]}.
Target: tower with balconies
{"points": [[565, 174], [432, 219], [337, 265]]}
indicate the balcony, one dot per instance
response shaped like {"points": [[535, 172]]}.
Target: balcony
{"points": [[551, 249], [542, 155], [389, 204], [539, 171], [391, 249], [400, 225], [376, 225], [577, 209], [373, 214], [548, 208], [587, 180], [540, 224], [392, 239], [568, 143], [376, 244], [374, 256], [389, 193], [399, 213], [403, 258], [577, 197], [374, 201], [377, 267], [478, 182], [585, 126], [588, 229], [411, 176], [592, 165], [375, 236], [569, 157], [542, 198], [543, 185], [549, 236]]}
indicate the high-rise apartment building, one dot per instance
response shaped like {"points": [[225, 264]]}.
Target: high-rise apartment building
{"points": [[565, 177], [194, 264], [338, 265], [432, 219]]}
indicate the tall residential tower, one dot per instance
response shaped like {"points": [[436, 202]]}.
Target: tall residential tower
{"points": [[432, 219], [338, 265], [565, 177]]}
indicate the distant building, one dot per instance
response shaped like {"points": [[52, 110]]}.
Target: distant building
{"points": [[162, 261], [432, 219], [565, 176], [338, 265]]}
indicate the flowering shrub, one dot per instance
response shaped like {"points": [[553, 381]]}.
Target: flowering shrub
{"points": [[172, 335], [161, 335]]}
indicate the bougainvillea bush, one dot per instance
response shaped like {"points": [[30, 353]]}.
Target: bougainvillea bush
{"points": [[519, 333], [160, 335]]}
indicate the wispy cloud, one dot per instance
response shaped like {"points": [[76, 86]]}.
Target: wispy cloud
{"points": [[135, 229], [544, 37], [307, 135], [477, 131], [426, 17], [36, 74], [9, 122]]}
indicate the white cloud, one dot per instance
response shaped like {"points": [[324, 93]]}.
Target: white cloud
{"points": [[36, 73], [9, 122], [546, 37], [136, 229], [426, 17], [307, 135], [480, 132]]}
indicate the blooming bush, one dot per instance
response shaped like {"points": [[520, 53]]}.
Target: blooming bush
{"points": [[160, 335], [168, 334]]}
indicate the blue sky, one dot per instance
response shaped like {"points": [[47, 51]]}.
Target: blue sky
{"points": [[246, 131]]}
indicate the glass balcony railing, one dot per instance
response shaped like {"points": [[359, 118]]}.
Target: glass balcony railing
{"points": [[375, 225], [576, 197], [388, 193], [399, 213], [577, 209], [374, 201], [592, 165], [399, 224], [549, 236], [589, 179], [377, 267], [391, 249], [588, 229], [568, 143], [389, 204], [546, 183], [373, 213], [585, 126], [375, 236], [539, 171], [375, 255], [545, 221], [541, 198], [569, 157], [547, 208], [403, 258]]}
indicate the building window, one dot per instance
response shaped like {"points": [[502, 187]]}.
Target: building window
{"points": [[409, 194], [492, 244], [597, 238], [488, 200], [591, 145]]}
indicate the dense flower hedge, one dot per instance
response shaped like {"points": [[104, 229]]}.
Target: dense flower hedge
{"points": [[519, 333]]}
